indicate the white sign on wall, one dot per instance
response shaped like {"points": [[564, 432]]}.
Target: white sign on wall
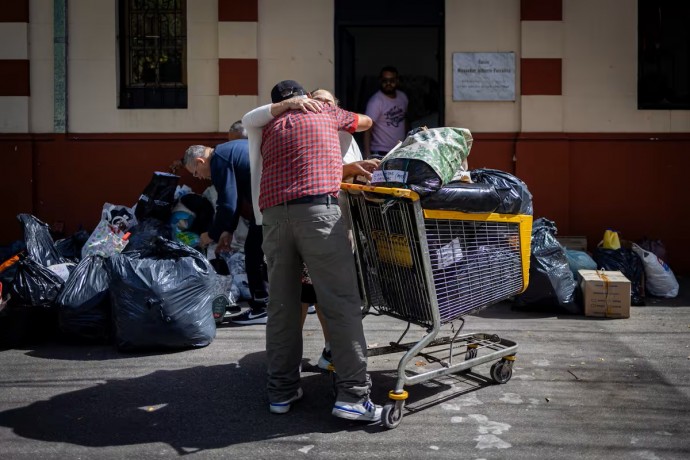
{"points": [[484, 76]]}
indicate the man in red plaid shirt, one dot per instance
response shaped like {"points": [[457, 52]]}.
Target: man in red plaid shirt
{"points": [[300, 180]]}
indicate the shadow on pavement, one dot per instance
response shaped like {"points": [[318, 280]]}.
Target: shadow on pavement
{"points": [[193, 409], [199, 408]]}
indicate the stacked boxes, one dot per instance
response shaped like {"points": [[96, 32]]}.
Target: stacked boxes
{"points": [[605, 293]]}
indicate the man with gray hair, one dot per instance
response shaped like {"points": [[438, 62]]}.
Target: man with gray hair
{"points": [[227, 167], [237, 131]]}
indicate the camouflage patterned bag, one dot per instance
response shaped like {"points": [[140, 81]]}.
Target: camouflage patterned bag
{"points": [[426, 160]]}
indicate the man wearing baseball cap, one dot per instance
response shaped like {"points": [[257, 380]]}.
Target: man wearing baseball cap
{"points": [[300, 174]]}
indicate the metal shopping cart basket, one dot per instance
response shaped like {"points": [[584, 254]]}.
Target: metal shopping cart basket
{"points": [[430, 268]]}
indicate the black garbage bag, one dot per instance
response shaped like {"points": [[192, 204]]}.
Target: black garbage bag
{"points": [[628, 263], [461, 196], [162, 297], [515, 197], [158, 197], [144, 235], [84, 302], [551, 282], [39, 243], [35, 285], [70, 247]]}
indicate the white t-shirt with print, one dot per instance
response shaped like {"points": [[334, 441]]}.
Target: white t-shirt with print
{"points": [[388, 115]]}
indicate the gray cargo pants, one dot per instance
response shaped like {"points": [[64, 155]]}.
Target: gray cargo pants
{"points": [[317, 234]]}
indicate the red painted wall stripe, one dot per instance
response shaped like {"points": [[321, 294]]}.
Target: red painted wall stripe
{"points": [[238, 10], [540, 77], [15, 11], [541, 10], [238, 77], [14, 77]]}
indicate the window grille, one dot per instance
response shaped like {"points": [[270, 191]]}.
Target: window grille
{"points": [[153, 54]]}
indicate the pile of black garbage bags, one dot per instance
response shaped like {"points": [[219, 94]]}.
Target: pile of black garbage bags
{"points": [[553, 275], [140, 291]]}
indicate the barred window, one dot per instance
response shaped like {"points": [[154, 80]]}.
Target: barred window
{"points": [[153, 54], [663, 80]]}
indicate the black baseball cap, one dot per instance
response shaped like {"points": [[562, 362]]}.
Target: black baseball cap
{"points": [[285, 90]]}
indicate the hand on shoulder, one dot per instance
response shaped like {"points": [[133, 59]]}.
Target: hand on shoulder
{"points": [[304, 104]]}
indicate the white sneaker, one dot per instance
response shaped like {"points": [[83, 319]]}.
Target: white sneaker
{"points": [[284, 407], [311, 309], [365, 411], [325, 360]]}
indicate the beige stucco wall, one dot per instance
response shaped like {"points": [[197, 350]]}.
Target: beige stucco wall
{"points": [[295, 40], [295, 43], [600, 71], [14, 110], [41, 108], [486, 26], [236, 40], [599, 52], [93, 73]]}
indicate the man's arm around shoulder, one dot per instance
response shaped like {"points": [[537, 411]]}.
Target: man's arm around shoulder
{"points": [[364, 123]]}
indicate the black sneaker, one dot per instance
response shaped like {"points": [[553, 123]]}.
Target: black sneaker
{"points": [[250, 317]]}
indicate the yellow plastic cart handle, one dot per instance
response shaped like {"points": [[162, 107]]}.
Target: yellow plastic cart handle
{"points": [[397, 192]]}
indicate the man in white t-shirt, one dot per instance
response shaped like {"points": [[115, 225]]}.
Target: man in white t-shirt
{"points": [[388, 110]]}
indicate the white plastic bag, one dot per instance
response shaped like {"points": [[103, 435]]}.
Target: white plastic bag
{"points": [[659, 279], [105, 240]]}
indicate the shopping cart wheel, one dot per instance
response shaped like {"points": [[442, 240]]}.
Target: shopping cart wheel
{"points": [[502, 371], [471, 352], [392, 414]]}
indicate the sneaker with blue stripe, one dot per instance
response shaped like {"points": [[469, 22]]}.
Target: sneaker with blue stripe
{"points": [[284, 406], [365, 411]]}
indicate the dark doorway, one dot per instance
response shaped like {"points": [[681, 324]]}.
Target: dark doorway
{"points": [[407, 34]]}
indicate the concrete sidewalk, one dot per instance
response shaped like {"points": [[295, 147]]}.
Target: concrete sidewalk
{"points": [[582, 388]]}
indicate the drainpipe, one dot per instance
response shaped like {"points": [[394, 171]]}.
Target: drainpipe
{"points": [[60, 66]]}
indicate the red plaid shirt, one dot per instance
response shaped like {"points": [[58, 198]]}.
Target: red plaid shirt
{"points": [[301, 154]]}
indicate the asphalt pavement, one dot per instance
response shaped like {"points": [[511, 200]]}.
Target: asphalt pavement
{"points": [[581, 388]]}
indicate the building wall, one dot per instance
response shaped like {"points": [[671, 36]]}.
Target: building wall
{"points": [[573, 134], [487, 26], [296, 43], [14, 68], [93, 76]]}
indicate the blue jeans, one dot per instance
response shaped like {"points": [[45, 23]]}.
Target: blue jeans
{"points": [[316, 234]]}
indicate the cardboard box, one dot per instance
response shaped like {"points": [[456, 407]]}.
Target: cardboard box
{"points": [[576, 243], [605, 293]]}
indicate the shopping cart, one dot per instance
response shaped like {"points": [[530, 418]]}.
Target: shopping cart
{"points": [[429, 268]]}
